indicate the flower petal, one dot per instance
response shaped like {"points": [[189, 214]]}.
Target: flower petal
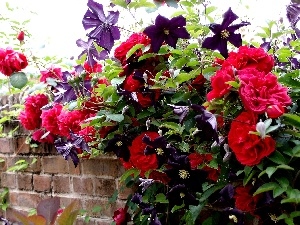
{"points": [[235, 39], [229, 17], [212, 42]]}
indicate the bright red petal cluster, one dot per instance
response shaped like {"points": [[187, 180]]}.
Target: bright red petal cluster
{"points": [[244, 200], [249, 148], [11, 61]]}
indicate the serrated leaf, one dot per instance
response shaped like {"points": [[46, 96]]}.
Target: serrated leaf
{"points": [[115, 117], [270, 171], [18, 80]]}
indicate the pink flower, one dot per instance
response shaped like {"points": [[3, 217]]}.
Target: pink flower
{"points": [[121, 216], [30, 116], [51, 72], [219, 85], [50, 119], [275, 111], [247, 57], [70, 121], [258, 91], [11, 61], [40, 136]]}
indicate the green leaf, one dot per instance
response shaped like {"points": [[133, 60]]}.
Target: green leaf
{"points": [[18, 80], [270, 171], [285, 167], [278, 158], [146, 56], [69, 215], [115, 117], [195, 211], [177, 207], [131, 172], [161, 198], [291, 119], [265, 187], [133, 49]]}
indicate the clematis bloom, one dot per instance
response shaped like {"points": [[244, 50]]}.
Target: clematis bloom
{"points": [[224, 32], [166, 30]]}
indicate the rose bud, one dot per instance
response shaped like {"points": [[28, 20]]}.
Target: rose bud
{"points": [[21, 36], [275, 111]]}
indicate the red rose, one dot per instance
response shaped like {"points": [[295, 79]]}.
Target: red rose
{"points": [[197, 159], [97, 68], [30, 116], [159, 176], [121, 216], [247, 57], [50, 119], [131, 84], [21, 36], [51, 72], [148, 99], [218, 83], [244, 201], [137, 157], [248, 148], [259, 90], [197, 83], [124, 47], [70, 121], [39, 135], [11, 61]]}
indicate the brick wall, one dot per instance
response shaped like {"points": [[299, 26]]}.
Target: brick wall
{"points": [[92, 183]]}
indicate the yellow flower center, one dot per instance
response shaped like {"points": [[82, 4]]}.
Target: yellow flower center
{"points": [[167, 32], [183, 174], [159, 151], [119, 143], [181, 195], [225, 34]]}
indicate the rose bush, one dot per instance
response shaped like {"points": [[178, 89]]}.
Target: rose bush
{"points": [[207, 131]]}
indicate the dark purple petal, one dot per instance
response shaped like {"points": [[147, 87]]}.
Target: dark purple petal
{"points": [[178, 21], [233, 28], [293, 13], [223, 48], [212, 42], [235, 39], [229, 17], [162, 22], [216, 28], [181, 32], [171, 40]]}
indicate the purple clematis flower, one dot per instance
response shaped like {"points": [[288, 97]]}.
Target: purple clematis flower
{"points": [[119, 145], [68, 148], [166, 30], [104, 30], [224, 32], [91, 52]]}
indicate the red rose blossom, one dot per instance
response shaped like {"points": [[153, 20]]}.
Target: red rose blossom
{"points": [[11, 61], [245, 201], [197, 83], [218, 83], [50, 119], [148, 99], [248, 148], [38, 135], [70, 121], [51, 72], [30, 116], [121, 216], [124, 47], [258, 91], [131, 84], [247, 57], [275, 111], [138, 159]]}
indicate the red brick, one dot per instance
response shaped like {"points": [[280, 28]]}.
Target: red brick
{"points": [[42, 183], [35, 167], [104, 187], [7, 145], [24, 181], [8, 179], [65, 201], [80, 221], [123, 191], [74, 170], [101, 166], [3, 165], [103, 221], [61, 184], [55, 164], [24, 199], [21, 146], [83, 185], [90, 204]]}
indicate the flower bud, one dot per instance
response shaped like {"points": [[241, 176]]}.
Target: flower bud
{"points": [[261, 129], [21, 36], [274, 111]]}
